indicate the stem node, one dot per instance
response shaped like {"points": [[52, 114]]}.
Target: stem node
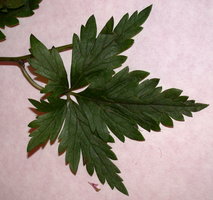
{"points": [[21, 60]]}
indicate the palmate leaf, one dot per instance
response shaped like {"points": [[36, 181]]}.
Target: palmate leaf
{"points": [[12, 9], [112, 104]]}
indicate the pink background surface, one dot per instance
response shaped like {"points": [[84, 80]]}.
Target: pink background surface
{"points": [[176, 46]]}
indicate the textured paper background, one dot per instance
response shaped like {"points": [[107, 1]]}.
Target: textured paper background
{"points": [[176, 46]]}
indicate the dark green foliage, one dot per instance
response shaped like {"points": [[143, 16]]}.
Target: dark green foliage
{"points": [[48, 125], [91, 55], [112, 104], [124, 103], [76, 136], [11, 4], [50, 65], [2, 36], [10, 10]]}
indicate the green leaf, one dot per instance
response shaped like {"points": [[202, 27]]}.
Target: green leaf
{"points": [[120, 102], [75, 137], [2, 36], [91, 55], [113, 103], [125, 102], [49, 64], [10, 10], [12, 3], [48, 125]]}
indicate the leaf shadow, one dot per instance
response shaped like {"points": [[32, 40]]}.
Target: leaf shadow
{"points": [[43, 80], [2, 40], [37, 77]]}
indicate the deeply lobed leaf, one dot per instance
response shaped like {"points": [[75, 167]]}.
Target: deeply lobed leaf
{"points": [[91, 55], [126, 101], [76, 136], [48, 125], [49, 65], [112, 102]]}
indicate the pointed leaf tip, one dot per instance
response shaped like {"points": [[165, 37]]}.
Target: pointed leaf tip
{"points": [[2, 36], [91, 18], [89, 31], [32, 38], [121, 187], [91, 21], [108, 28], [149, 8], [201, 106], [144, 14]]}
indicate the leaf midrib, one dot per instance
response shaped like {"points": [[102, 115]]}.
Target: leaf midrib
{"points": [[105, 101], [113, 40], [103, 165]]}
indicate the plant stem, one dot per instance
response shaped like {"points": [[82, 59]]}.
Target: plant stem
{"points": [[21, 60], [26, 57], [27, 76]]}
